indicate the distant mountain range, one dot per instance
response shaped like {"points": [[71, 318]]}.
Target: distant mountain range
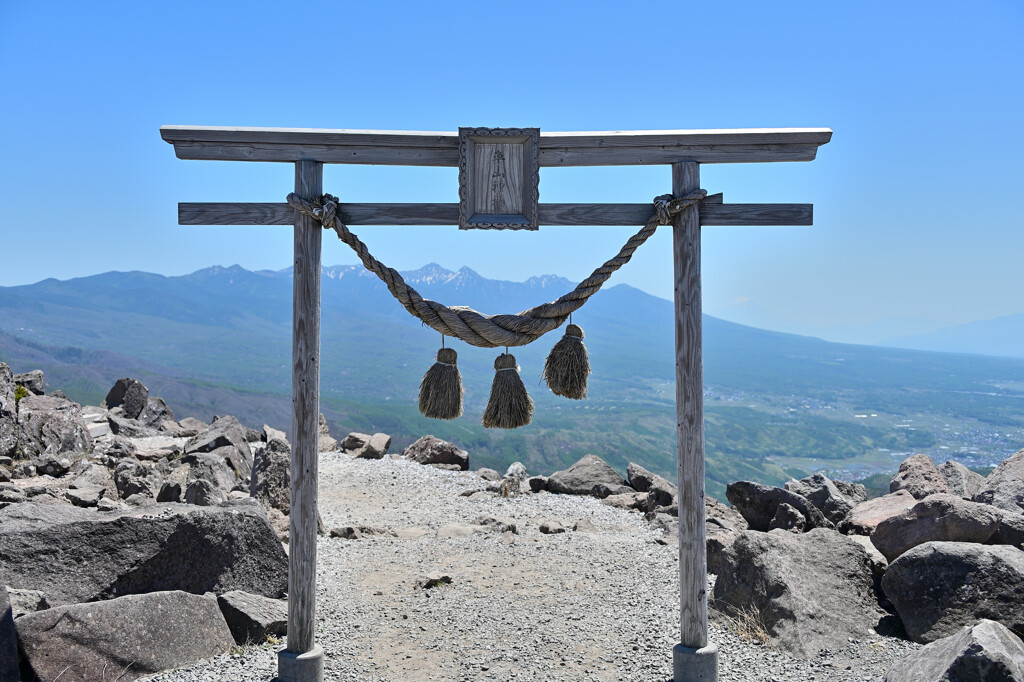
{"points": [[218, 341], [1002, 336]]}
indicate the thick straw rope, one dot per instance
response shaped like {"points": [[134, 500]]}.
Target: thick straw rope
{"points": [[491, 331]]}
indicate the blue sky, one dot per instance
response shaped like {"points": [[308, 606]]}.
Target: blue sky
{"points": [[916, 198]]}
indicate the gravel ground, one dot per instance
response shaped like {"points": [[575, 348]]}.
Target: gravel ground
{"points": [[575, 606]]}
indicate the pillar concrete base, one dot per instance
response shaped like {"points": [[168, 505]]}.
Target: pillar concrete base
{"points": [[694, 665], [307, 667]]}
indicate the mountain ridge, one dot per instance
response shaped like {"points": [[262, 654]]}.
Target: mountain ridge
{"points": [[219, 341]]}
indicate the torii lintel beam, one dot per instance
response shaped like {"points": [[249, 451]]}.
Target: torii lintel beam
{"points": [[411, 148]]}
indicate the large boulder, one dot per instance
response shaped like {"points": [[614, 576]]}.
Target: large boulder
{"points": [[591, 475], [52, 425], [125, 638], [157, 415], [1010, 530], [660, 491], [919, 476], [823, 493], [271, 476], [8, 640], [253, 617], [983, 652], [811, 591], [723, 524], [937, 517], [865, 517], [960, 480], [9, 429], [138, 550], [128, 394], [759, 503], [229, 439], [431, 450], [211, 475], [33, 382], [133, 477], [1004, 487], [939, 587]]}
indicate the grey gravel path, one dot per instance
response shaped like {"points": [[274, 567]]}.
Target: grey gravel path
{"points": [[575, 606]]}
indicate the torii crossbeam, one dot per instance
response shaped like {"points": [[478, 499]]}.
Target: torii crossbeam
{"points": [[694, 658]]}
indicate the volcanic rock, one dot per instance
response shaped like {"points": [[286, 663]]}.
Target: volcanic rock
{"points": [[863, 518], [9, 429], [8, 641], [759, 503], [130, 395], [939, 587], [31, 382], [270, 482], [591, 475], [325, 443], [983, 652], [811, 591], [431, 450], [661, 491], [960, 480], [1004, 487], [52, 425], [937, 517], [919, 476], [824, 494], [131, 636], [224, 433], [141, 549], [253, 617]]}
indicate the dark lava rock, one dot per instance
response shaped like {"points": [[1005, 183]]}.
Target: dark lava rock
{"points": [[130, 637], [130, 395], [8, 641], [758, 504], [225, 435], [939, 587], [52, 425], [823, 493], [591, 475], [138, 550], [431, 450], [253, 617], [661, 491], [270, 482], [31, 382], [983, 652], [812, 591], [9, 429]]}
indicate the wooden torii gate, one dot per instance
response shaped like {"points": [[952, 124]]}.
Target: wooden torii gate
{"points": [[694, 658]]}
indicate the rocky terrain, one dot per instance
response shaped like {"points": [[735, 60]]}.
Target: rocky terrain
{"points": [[132, 542]]}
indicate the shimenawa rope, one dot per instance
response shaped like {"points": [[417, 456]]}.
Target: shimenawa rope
{"points": [[491, 331]]}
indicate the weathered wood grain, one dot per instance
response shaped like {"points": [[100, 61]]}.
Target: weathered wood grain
{"points": [[305, 414], [448, 214], [442, 148], [693, 598]]}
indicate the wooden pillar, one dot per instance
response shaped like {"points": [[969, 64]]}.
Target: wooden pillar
{"points": [[693, 659], [305, 414]]}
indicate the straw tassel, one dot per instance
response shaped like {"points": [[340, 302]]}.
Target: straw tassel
{"points": [[567, 366], [509, 406], [441, 388]]}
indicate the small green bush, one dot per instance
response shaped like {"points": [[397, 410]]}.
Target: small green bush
{"points": [[19, 393]]}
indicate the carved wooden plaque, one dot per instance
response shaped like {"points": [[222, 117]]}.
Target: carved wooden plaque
{"points": [[499, 177]]}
